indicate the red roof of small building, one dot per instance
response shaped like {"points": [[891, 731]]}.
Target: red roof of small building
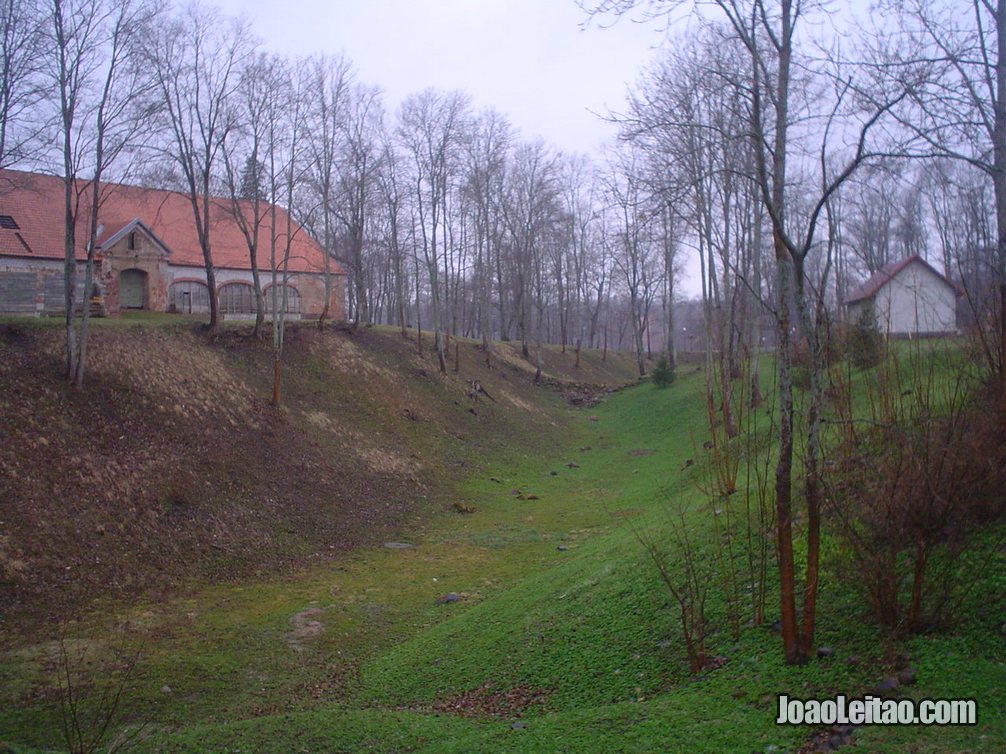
{"points": [[36, 204], [888, 272]]}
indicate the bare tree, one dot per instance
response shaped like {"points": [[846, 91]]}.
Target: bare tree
{"points": [[844, 112], [196, 58], [431, 124], [394, 197], [245, 147], [356, 170], [100, 81], [332, 77], [957, 109], [22, 36], [636, 253], [486, 165]]}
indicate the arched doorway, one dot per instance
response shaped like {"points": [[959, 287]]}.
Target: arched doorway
{"points": [[189, 297], [292, 298], [133, 289]]}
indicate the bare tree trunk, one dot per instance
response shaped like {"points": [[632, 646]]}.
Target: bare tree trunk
{"points": [[784, 466], [999, 188]]}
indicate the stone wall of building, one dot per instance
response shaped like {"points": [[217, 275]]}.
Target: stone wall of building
{"points": [[34, 287], [311, 287]]}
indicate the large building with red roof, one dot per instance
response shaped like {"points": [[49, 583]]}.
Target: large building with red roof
{"points": [[148, 254]]}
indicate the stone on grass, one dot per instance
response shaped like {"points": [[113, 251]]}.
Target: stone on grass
{"points": [[887, 687], [823, 652]]}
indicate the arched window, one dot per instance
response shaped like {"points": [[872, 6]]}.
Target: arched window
{"points": [[237, 298], [292, 298], [189, 297]]}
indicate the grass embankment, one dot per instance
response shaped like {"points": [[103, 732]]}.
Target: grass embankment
{"points": [[557, 618]]}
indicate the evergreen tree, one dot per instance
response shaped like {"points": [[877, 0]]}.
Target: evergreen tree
{"points": [[662, 374]]}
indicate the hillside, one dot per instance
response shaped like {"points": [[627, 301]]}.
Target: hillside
{"points": [[517, 610], [172, 466]]}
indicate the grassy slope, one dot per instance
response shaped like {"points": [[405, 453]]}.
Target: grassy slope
{"points": [[587, 626]]}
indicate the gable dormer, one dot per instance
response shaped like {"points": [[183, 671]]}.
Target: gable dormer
{"points": [[131, 239]]}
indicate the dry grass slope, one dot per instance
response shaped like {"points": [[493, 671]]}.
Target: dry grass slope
{"points": [[171, 466]]}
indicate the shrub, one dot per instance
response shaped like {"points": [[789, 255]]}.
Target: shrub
{"points": [[864, 340], [662, 374], [909, 491]]}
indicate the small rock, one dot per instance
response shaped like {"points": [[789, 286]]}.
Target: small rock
{"points": [[494, 479], [572, 465], [397, 545], [518, 726], [448, 598], [776, 627], [165, 689], [824, 652], [585, 448], [553, 473], [562, 548], [593, 418], [715, 663], [853, 661], [906, 677], [839, 740], [887, 687]]}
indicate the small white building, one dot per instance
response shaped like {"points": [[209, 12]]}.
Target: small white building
{"points": [[909, 298]]}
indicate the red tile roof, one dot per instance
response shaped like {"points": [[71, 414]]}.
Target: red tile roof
{"points": [[885, 274], [35, 202]]}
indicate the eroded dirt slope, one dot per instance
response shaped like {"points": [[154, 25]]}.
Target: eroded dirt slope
{"points": [[170, 465]]}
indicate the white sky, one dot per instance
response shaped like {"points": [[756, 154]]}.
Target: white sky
{"points": [[529, 59]]}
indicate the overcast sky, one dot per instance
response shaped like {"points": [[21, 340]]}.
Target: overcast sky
{"points": [[529, 59]]}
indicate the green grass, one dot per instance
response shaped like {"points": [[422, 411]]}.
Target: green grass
{"points": [[589, 625]]}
